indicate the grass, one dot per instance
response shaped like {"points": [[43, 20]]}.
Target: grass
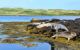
{"points": [[33, 12]]}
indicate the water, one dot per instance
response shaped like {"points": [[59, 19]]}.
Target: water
{"points": [[13, 46], [3, 36], [40, 46], [28, 18]]}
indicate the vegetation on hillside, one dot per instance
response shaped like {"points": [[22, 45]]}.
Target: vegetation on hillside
{"points": [[21, 11]]}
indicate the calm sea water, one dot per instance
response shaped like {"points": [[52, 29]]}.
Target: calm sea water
{"points": [[28, 18], [40, 46]]}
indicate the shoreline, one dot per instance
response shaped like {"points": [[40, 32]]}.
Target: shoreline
{"points": [[39, 15]]}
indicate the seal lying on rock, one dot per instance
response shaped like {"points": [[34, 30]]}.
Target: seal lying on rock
{"points": [[68, 35]]}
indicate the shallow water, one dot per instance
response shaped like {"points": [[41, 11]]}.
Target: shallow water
{"points": [[3, 36], [40, 46]]}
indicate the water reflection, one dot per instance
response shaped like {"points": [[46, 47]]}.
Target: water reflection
{"points": [[40, 46]]}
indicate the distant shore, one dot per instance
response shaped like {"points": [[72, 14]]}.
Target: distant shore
{"points": [[37, 12]]}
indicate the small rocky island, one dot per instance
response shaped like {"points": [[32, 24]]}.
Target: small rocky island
{"points": [[55, 32]]}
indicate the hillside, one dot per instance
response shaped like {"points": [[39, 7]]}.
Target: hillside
{"points": [[21, 11]]}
